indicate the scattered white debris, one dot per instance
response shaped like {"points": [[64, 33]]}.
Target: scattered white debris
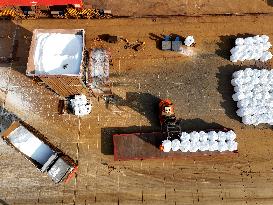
{"points": [[58, 53], [99, 63], [186, 51], [189, 41], [202, 141], [254, 95], [251, 48], [80, 105]]}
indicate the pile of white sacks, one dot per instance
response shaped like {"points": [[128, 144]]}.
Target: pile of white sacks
{"points": [[254, 95], [80, 105], [251, 48], [202, 141]]}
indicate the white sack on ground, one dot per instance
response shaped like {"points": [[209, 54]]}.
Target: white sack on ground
{"points": [[254, 95], [80, 105], [251, 48], [189, 41], [167, 145], [175, 145], [202, 141]]}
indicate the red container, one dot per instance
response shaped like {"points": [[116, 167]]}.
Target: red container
{"points": [[76, 3]]}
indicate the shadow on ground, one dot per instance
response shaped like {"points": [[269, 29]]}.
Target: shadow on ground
{"points": [[16, 42], [270, 2], [2, 202], [198, 125], [227, 43], [157, 38], [143, 103], [227, 90]]}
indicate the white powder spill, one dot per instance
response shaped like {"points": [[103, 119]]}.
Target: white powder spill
{"points": [[254, 95], [251, 48], [58, 53], [186, 51]]}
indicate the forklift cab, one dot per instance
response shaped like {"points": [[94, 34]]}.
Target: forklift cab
{"points": [[168, 110]]}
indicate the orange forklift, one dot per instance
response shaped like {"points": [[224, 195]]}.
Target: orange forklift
{"points": [[167, 118]]}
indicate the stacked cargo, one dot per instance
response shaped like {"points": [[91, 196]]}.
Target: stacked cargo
{"points": [[254, 95], [202, 141], [251, 48]]}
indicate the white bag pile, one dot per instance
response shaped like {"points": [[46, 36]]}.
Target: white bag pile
{"points": [[202, 141], [251, 48], [254, 95], [80, 105]]}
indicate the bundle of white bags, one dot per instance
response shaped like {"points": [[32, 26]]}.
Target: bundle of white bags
{"points": [[202, 141], [254, 95], [251, 48], [80, 105]]}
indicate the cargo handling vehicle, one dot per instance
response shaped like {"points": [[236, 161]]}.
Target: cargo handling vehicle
{"points": [[139, 146], [28, 9], [39, 152]]}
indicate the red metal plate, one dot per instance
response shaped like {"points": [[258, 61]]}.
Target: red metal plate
{"points": [[146, 146], [38, 2]]}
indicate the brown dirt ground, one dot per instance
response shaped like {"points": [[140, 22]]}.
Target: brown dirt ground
{"points": [[138, 8], [200, 88]]}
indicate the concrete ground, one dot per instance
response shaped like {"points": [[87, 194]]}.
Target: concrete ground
{"points": [[199, 86]]}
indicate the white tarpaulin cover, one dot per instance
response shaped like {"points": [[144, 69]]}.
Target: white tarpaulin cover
{"points": [[202, 141], [30, 145], [254, 95], [58, 53]]}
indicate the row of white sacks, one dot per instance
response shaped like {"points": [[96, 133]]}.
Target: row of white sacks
{"points": [[202, 141], [254, 95], [251, 48], [80, 105]]}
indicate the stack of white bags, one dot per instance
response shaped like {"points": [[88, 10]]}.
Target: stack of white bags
{"points": [[254, 95], [202, 141], [251, 48], [80, 105]]}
